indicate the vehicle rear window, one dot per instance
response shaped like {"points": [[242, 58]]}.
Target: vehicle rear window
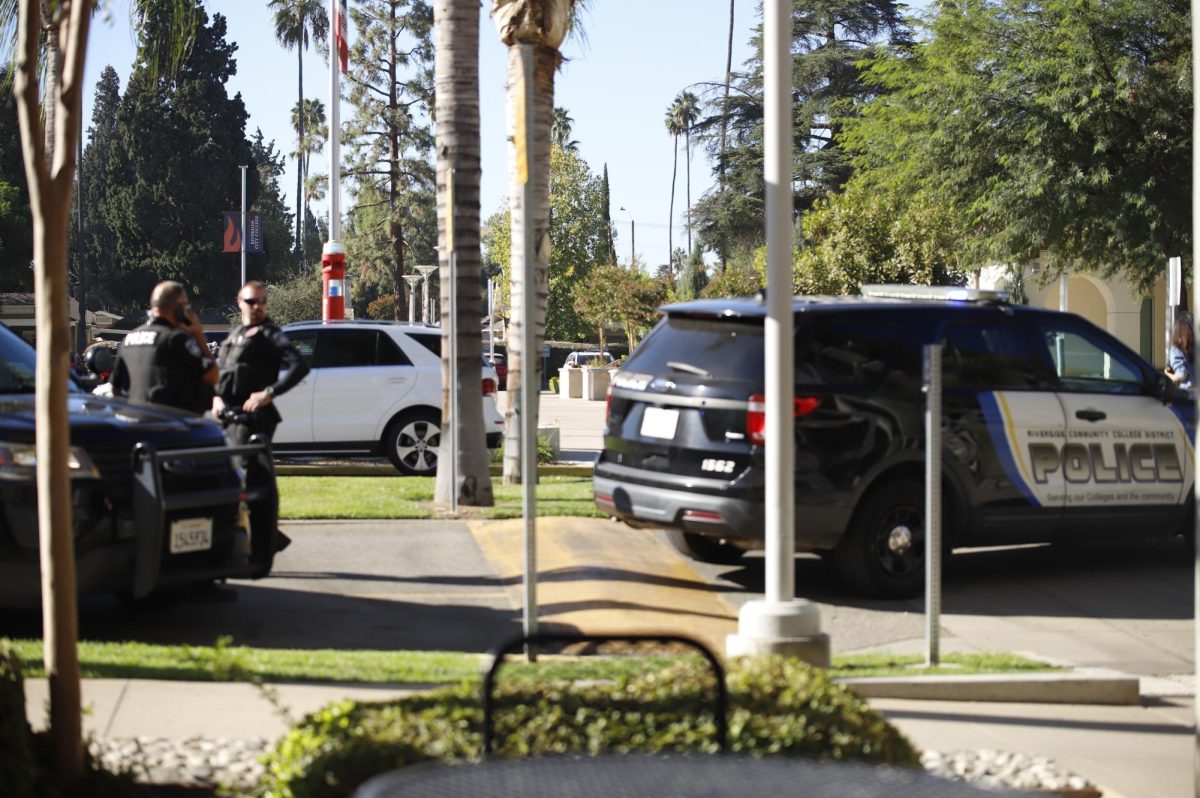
{"points": [[846, 353], [431, 341], [728, 350]]}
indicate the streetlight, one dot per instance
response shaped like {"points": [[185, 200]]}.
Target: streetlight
{"points": [[412, 280], [632, 239], [425, 272]]}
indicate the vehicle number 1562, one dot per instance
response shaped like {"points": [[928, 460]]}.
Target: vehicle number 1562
{"points": [[717, 466]]}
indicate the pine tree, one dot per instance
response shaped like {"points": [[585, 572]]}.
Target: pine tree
{"points": [[390, 139]]}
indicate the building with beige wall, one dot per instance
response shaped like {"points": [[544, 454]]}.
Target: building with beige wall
{"points": [[1112, 304]]}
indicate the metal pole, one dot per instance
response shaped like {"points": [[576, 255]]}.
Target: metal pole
{"points": [[1062, 292], [778, 345], [492, 321], [81, 265], [1196, 465], [933, 501], [335, 127], [244, 229], [528, 393], [452, 327]]}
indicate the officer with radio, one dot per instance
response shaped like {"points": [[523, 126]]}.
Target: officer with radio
{"points": [[166, 361], [258, 363]]}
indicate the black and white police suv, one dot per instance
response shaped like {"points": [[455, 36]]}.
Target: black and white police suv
{"points": [[1053, 430]]}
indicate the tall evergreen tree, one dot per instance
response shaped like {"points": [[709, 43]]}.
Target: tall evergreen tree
{"points": [[97, 249], [606, 204], [389, 139], [276, 264], [181, 140], [16, 220], [833, 42]]}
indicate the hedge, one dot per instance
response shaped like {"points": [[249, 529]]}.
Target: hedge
{"points": [[778, 707]]}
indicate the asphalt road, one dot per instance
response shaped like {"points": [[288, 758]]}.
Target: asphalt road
{"points": [[1122, 605]]}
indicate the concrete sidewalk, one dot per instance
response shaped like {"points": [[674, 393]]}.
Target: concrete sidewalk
{"points": [[1130, 752]]}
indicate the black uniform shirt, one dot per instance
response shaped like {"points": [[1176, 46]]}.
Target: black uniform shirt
{"points": [[255, 357], [161, 364]]}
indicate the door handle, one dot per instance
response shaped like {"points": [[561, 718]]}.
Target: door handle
{"points": [[1090, 415]]}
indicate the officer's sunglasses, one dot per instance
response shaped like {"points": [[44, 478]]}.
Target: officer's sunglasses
{"points": [[252, 301]]}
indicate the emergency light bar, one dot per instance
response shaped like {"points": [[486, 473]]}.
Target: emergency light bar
{"points": [[937, 293]]}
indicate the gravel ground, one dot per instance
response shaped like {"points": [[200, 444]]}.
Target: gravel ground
{"points": [[234, 765]]}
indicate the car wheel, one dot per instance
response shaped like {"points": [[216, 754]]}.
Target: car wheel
{"points": [[883, 552], [703, 547], [411, 443]]}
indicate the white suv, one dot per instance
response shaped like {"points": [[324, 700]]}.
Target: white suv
{"points": [[375, 388]]}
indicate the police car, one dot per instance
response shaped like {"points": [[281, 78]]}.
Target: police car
{"points": [[1053, 430]]}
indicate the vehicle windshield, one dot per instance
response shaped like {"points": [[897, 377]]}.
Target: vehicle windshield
{"points": [[17, 364]]}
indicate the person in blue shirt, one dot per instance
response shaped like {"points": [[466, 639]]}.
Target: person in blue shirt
{"points": [[1180, 355]]}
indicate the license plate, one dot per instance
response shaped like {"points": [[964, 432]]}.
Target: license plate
{"points": [[191, 534], [660, 422]]}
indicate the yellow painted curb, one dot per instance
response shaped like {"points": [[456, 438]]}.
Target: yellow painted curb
{"points": [[596, 576]]}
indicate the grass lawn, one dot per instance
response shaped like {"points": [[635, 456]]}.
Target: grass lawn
{"points": [[226, 662], [412, 497]]}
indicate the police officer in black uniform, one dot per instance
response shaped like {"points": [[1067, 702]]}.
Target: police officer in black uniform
{"points": [[258, 363], [166, 361]]}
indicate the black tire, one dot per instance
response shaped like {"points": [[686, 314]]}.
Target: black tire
{"points": [[703, 547], [883, 552], [411, 443]]}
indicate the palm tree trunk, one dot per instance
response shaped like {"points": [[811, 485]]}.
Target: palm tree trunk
{"points": [[671, 215], [725, 121], [521, 364], [300, 148], [687, 149], [456, 79], [50, 171]]}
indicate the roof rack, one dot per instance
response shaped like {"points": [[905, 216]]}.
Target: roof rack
{"points": [[936, 293]]}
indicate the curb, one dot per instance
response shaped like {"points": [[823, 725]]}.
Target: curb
{"points": [[1085, 686]]}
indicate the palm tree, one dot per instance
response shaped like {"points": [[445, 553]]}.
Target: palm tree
{"points": [[456, 94], [311, 132], [295, 22], [725, 118], [688, 109], [675, 126], [560, 130], [533, 30], [47, 79]]}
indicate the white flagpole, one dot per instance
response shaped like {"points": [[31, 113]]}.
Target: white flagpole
{"points": [[335, 124]]}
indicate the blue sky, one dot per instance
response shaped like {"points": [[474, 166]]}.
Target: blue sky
{"points": [[616, 85]]}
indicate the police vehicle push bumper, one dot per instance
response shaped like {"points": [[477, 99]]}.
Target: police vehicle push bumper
{"points": [[186, 536]]}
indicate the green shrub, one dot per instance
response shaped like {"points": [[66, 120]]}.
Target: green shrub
{"points": [[778, 707], [17, 770], [554, 385], [545, 452]]}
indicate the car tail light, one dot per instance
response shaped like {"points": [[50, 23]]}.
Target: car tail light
{"points": [[489, 386], [604, 498], [756, 414], [607, 403]]}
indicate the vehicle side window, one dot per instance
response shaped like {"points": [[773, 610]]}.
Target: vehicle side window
{"points": [[305, 342], [389, 354], [845, 353], [990, 357], [346, 348], [1086, 363], [431, 341]]}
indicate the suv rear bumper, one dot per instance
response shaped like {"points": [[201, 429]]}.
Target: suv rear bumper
{"points": [[702, 513], [685, 503]]}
